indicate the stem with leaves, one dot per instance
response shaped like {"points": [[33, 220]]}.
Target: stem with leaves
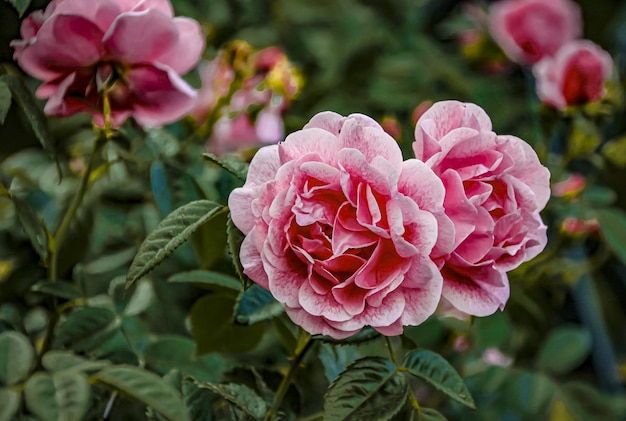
{"points": [[304, 344], [392, 355]]}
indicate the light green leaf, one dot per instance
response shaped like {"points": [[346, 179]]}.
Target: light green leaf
{"points": [[9, 404], [16, 357], [564, 349], [5, 101], [20, 6], [59, 289], [131, 301], [369, 389], [336, 358], [613, 225], [65, 360], [433, 368], [213, 329], [429, 414], [145, 387], [230, 163], [255, 305], [240, 395], [26, 100], [234, 239], [207, 279], [173, 231], [86, 328], [62, 396]]}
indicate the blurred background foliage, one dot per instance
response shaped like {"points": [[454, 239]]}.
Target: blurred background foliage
{"points": [[557, 352]]}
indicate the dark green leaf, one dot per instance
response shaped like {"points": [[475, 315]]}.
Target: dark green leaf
{"points": [[65, 360], [209, 241], [26, 100], [336, 358], [160, 190], [587, 403], [234, 239], [145, 387], [131, 301], [255, 305], [173, 231], [433, 368], [613, 225], [62, 396], [198, 402], [599, 196], [5, 101], [59, 289], [9, 404], [430, 414], [366, 334], [369, 389], [20, 6], [240, 395], [16, 357], [33, 227], [564, 349], [86, 328], [230, 163], [213, 328], [207, 279]]}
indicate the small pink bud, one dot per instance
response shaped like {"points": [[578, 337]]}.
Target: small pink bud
{"points": [[570, 187]]}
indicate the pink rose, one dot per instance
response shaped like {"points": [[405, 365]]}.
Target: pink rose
{"points": [[529, 30], [134, 50], [338, 229], [495, 188], [575, 76]]}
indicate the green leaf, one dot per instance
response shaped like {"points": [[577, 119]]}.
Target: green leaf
{"points": [[369, 389], [5, 101], [430, 414], [366, 334], [255, 305], [240, 395], [209, 242], [33, 227], [230, 163], [198, 402], [234, 239], [20, 6], [26, 100], [213, 328], [58, 289], [433, 368], [173, 231], [585, 402], [145, 387], [599, 196], [16, 357], [9, 404], [65, 360], [131, 301], [86, 328], [613, 225], [62, 396], [336, 358], [207, 279], [564, 349]]}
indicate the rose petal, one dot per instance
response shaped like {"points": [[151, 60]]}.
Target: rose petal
{"points": [[184, 55]]}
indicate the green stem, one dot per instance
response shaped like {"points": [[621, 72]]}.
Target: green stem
{"points": [[284, 385], [71, 212], [390, 349], [392, 355]]}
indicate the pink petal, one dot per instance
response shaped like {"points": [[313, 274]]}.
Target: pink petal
{"points": [[458, 207], [251, 260], [309, 141], [421, 303], [185, 54], [101, 13], [326, 120], [371, 141], [64, 44], [421, 184], [140, 37], [322, 305], [159, 96], [316, 325], [163, 6], [386, 315]]}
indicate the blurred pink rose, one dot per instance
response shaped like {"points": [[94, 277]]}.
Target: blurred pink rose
{"points": [[338, 229], [575, 76], [529, 30], [215, 77], [575, 227], [135, 49], [495, 188], [570, 187]]}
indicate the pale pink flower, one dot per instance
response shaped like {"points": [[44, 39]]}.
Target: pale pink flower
{"points": [[493, 356], [576, 75], [575, 227], [339, 230], [529, 30], [495, 188], [571, 186], [134, 50]]}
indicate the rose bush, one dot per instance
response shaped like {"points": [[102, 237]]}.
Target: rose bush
{"points": [[529, 30], [576, 75], [495, 187], [338, 229], [134, 50]]}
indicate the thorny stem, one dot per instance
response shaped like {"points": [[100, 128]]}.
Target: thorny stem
{"points": [[303, 348]]}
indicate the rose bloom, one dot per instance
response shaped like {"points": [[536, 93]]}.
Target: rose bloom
{"points": [[341, 230], [575, 76], [529, 30], [134, 50], [495, 187]]}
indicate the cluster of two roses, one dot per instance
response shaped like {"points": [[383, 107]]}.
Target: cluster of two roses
{"points": [[347, 234]]}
